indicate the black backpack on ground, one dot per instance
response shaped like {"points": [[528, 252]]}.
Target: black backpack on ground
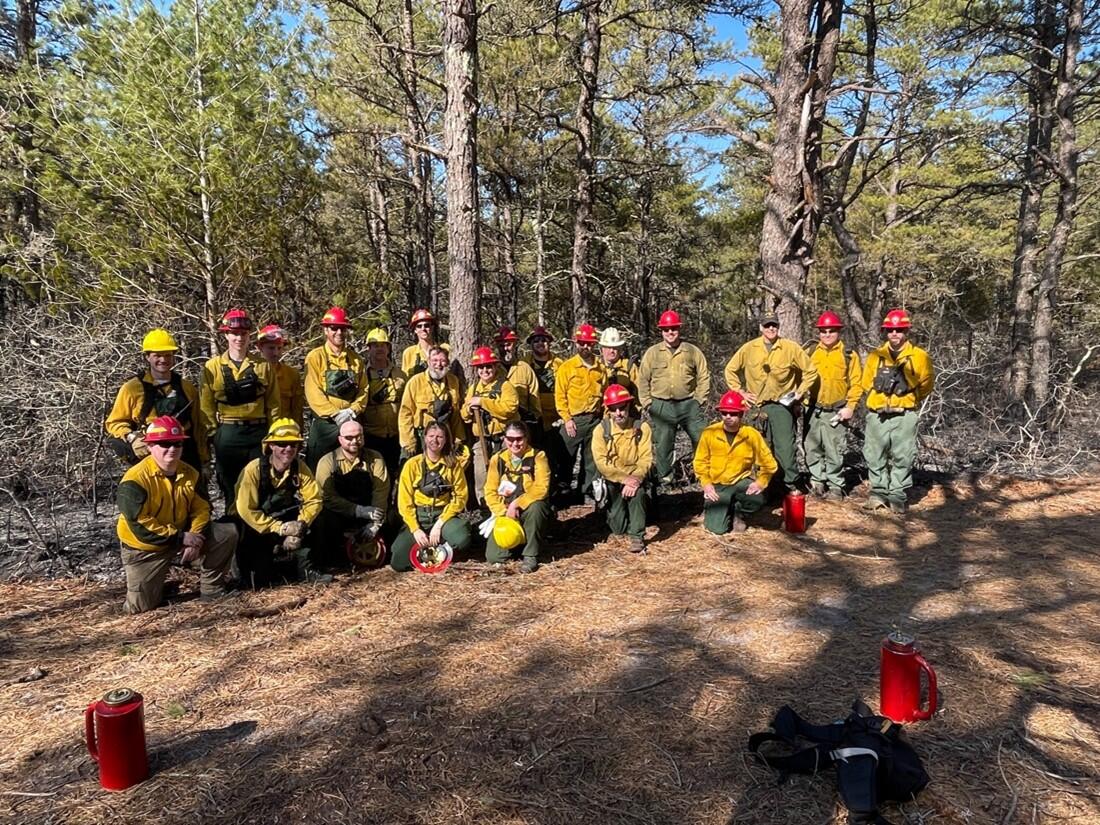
{"points": [[873, 761]]}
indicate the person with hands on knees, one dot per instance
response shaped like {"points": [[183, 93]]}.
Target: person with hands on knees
{"points": [[277, 499], [517, 487], [492, 403], [162, 517], [336, 385], [725, 460], [430, 494], [622, 448]]}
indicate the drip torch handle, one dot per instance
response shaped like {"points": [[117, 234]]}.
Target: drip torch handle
{"points": [[933, 695], [89, 731]]}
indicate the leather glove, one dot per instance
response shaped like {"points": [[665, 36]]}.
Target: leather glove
{"points": [[369, 532], [292, 543], [292, 528], [363, 511], [140, 448], [406, 454], [343, 417]]}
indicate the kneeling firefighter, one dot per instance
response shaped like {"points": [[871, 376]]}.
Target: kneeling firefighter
{"points": [[517, 490], [277, 499]]}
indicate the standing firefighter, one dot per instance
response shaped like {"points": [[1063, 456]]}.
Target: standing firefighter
{"points": [[545, 364], [897, 378], [431, 397], [153, 392], [163, 517], [578, 389], [622, 448], [277, 499], [271, 341], [490, 406], [673, 384], [386, 384], [336, 385], [620, 370], [773, 374], [517, 490], [831, 404], [725, 461], [430, 495], [425, 326], [521, 376], [239, 397]]}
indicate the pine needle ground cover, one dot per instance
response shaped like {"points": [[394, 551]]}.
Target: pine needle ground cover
{"points": [[605, 688]]}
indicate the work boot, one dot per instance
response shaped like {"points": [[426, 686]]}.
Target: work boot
{"points": [[529, 566], [817, 489], [898, 507], [223, 595], [738, 525], [873, 503], [637, 545], [834, 494], [311, 575]]}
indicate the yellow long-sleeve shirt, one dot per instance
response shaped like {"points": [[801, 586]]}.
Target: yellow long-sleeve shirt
{"points": [[531, 475], [414, 358], [545, 375], [770, 374], [724, 458], [335, 464], [384, 391], [523, 378], [624, 451], [409, 495], [578, 388], [292, 397], [673, 374], [322, 365], [498, 399], [916, 366], [415, 412], [125, 414], [248, 496], [839, 377], [212, 392], [623, 373], [155, 510]]}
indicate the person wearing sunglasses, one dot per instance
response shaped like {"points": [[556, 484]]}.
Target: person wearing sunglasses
{"points": [[425, 327], [271, 341], [163, 517], [522, 376], [544, 363], [773, 374], [336, 385], [622, 449], [578, 391], [517, 485], [491, 404], [831, 404]]}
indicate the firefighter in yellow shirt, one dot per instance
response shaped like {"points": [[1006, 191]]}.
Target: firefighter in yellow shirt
{"points": [[620, 369], [155, 391], [336, 386], [164, 516], [830, 405], [490, 406], [518, 486], [545, 364], [385, 387], [414, 358], [773, 374], [239, 399], [434, 395], [522, 377], [897, 378], [277, 500], [728, 455], [271, 342], [578, 396], [622, 449]]}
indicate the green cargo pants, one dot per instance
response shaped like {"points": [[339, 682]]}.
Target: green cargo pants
{"points": [[890, 448], [666, 416], [732, 500], [534, 520], [234, 446], [146, 570], [626, 516], [324, 437], [824, 448], [582, 441], [781, 434], [456, 532]]}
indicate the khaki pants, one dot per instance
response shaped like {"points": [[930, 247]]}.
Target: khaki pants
{"points": [[147, 569]]}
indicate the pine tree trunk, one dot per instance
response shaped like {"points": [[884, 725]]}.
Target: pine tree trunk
{"points": [[419, 165], [206, 211], [586, 162], [460, 140], [26, 212]]}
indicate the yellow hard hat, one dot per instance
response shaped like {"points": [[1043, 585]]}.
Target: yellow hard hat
{"points": [[284, 431], [508, 533], [159, 340], [378, 336]]}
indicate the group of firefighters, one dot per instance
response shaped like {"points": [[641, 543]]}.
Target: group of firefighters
{"points": [[399, 455]]}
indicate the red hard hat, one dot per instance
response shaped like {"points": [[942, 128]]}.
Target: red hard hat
{"points": [[829, 320], [483, 356], [235, 320], [164, 429], [335, 317], [421, 315], [669, 319], [616, 394], [586, 333], [506, 334], [896, 319], [732, 401], [540, 332], [272, 332]]}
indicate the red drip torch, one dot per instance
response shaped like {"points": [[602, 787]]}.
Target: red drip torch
{"points": [[794, 512], [114, 728], [899, 679]]}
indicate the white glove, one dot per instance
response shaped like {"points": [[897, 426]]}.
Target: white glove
{"points": [[363, 511], [486, 527], [343, 417], [599, 489]]}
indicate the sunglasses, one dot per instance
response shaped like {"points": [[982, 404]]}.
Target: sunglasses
{"points": [[770, 326], [828, 331], [728, 414], [514, 438], [351, 438], [168, 445], [424, 325]]}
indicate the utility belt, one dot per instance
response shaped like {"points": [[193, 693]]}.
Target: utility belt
{"points": [[891, 412], [674, 400], [839, 405], [240, 422]]}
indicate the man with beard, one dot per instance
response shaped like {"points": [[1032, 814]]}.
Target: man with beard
{"points": [[622, 448], [521, 376], [578, 392], [432, 396], [336, 385]]}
